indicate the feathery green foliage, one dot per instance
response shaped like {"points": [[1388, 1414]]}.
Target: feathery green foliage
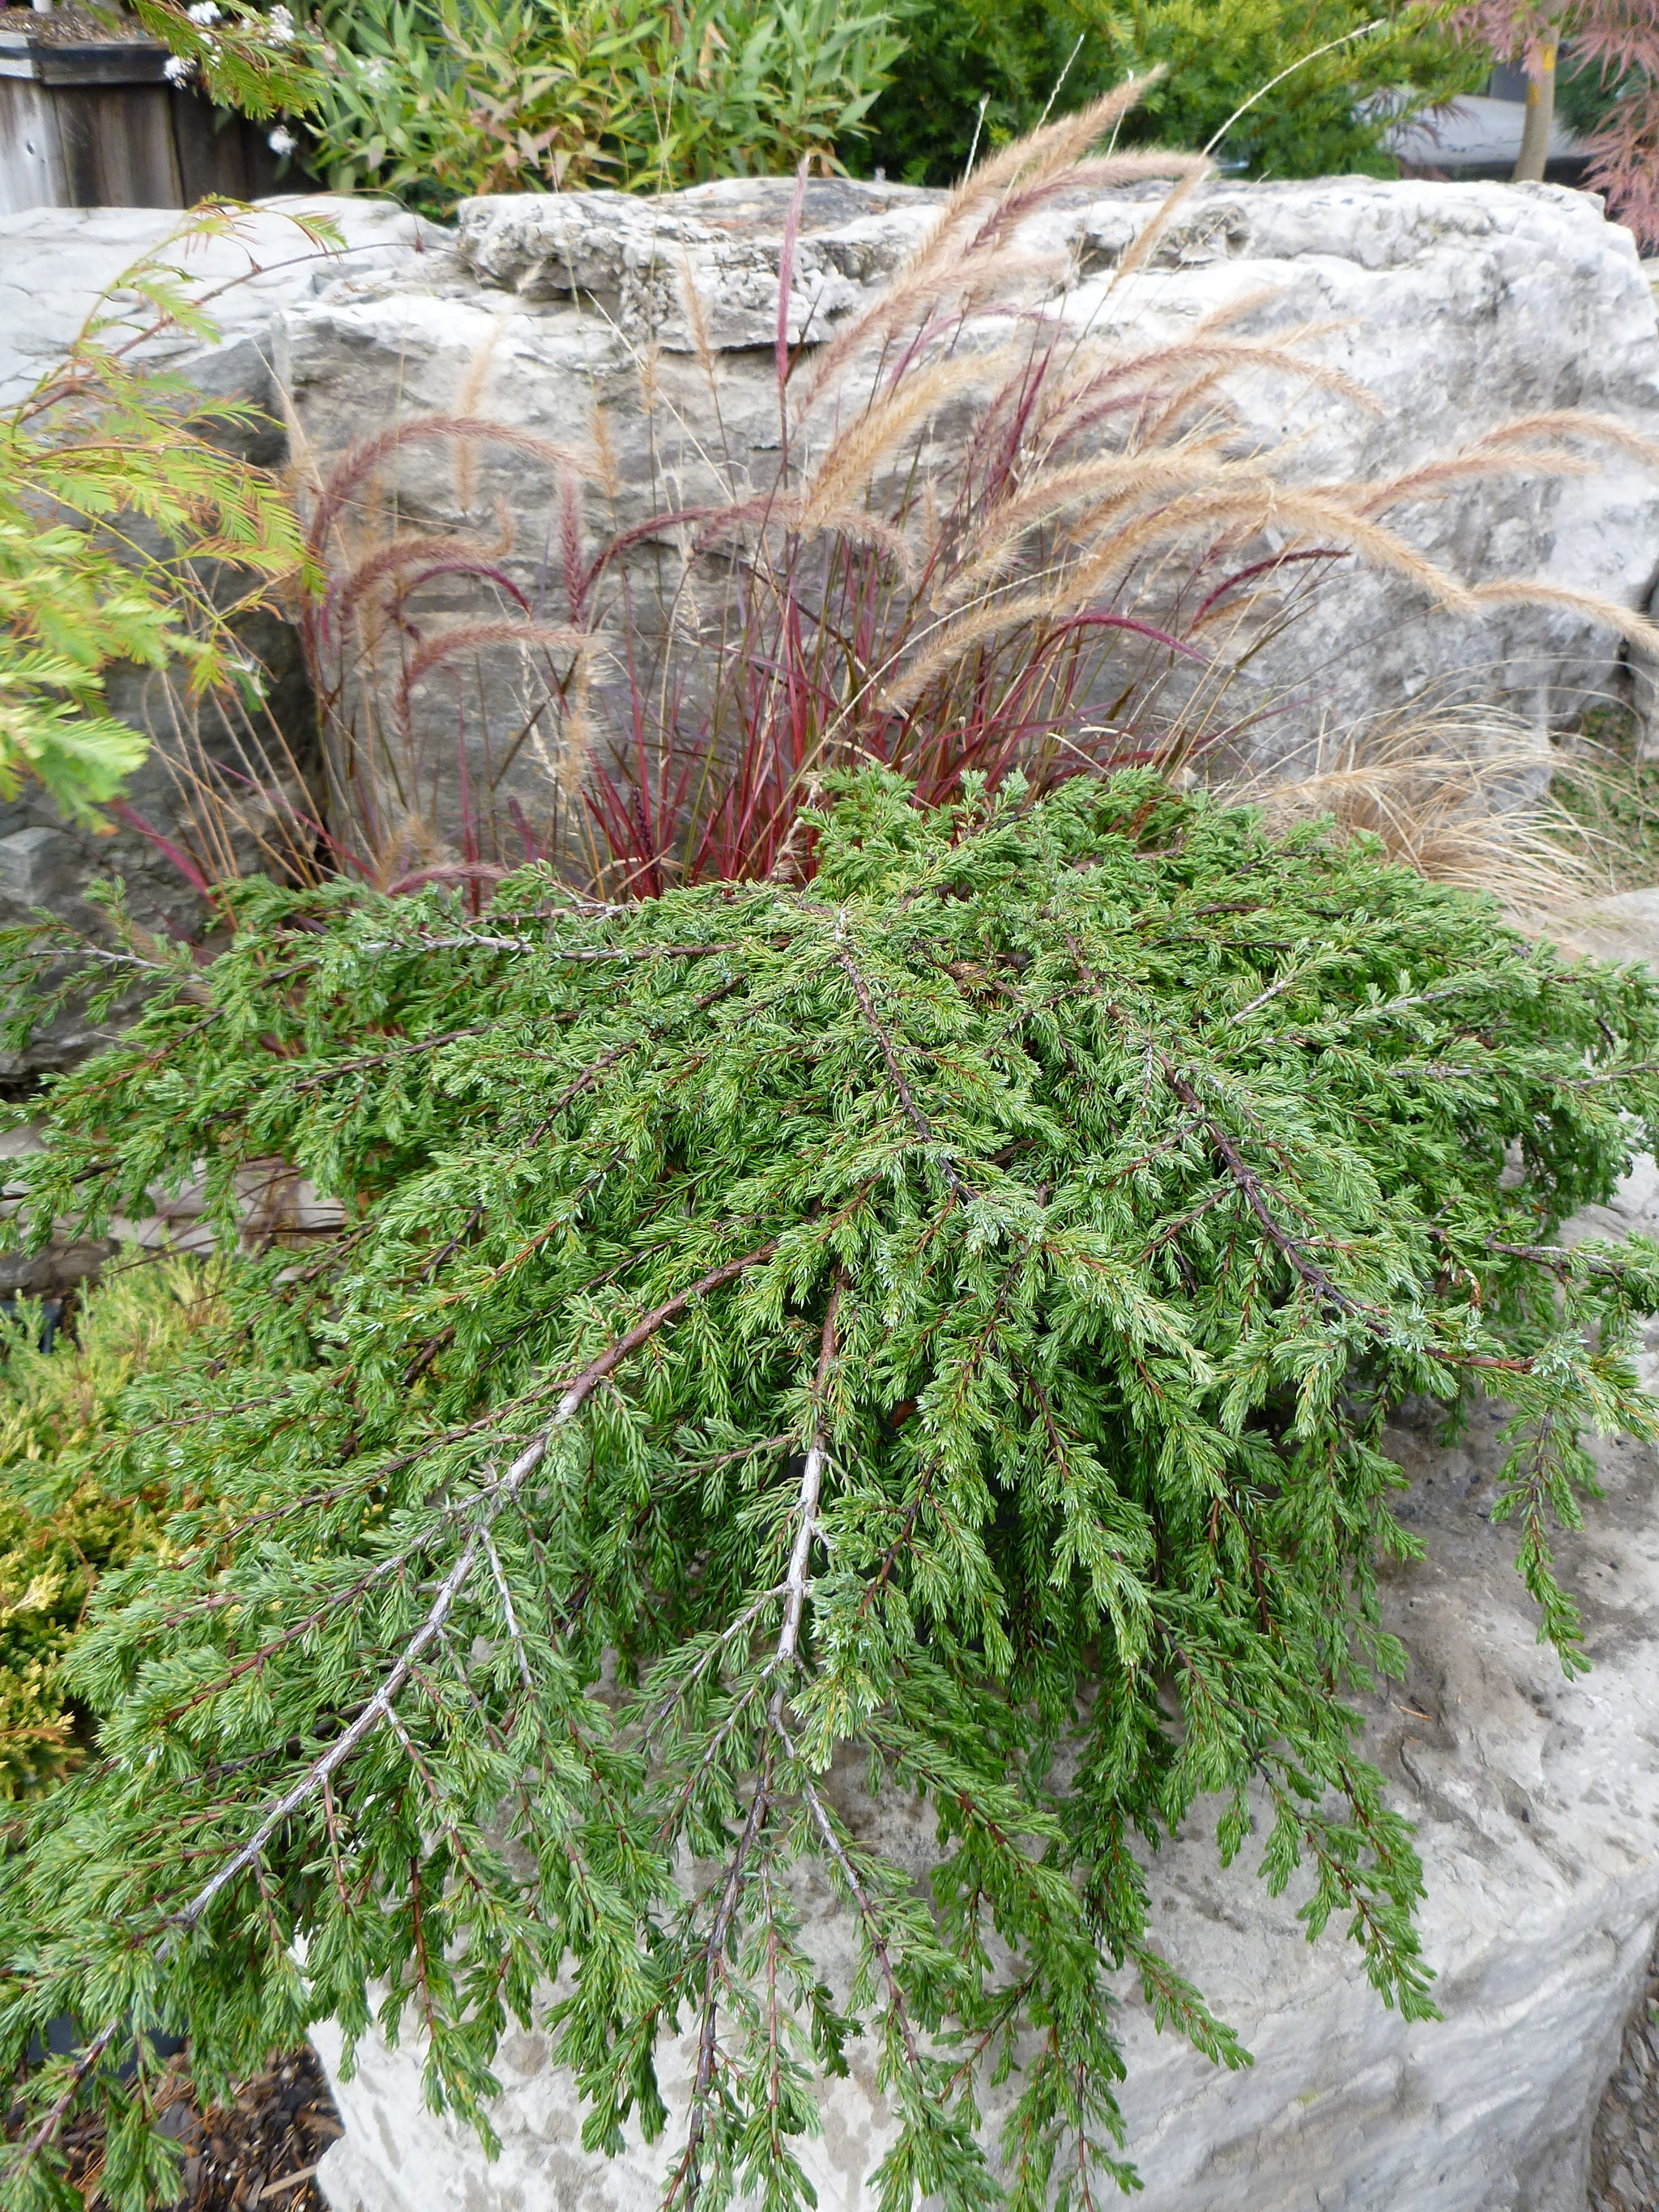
{"points": [[926, 1330], [58, 1530], [259, 60], [121, 514]]}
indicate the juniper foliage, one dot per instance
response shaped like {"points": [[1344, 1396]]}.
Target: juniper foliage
{"points": [[927, 1330]]}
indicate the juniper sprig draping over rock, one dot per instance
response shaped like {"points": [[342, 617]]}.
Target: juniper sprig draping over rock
{"points": [[927, 1328]]}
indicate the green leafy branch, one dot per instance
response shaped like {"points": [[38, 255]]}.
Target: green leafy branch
{"points": [[125, 513]]}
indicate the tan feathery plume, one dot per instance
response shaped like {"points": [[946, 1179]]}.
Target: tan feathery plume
{"points": [[1262, 503], [476, 637], [1435, 478], [1576, 423], [1098, 486], [945, 251], [468, 403], [1459, 793], [1588, 606], [851, 458]]}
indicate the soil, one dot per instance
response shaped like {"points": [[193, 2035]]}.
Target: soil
{"points": [[1625, 2150], [260, 2151], [66, 25]]}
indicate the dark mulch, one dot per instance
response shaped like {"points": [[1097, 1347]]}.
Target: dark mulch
{"points": [[1625, 2153], [260, 2151]]}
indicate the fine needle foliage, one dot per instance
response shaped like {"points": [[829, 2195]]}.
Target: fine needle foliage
{"points": [[917, 1340], [259, 60]]}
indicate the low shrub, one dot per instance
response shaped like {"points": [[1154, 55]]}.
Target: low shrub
{"points": [[934, 1322], [1306, 113], [59, 1527]]}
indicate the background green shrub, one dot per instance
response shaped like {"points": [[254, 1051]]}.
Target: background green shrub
{"points": [[1216, 54], [437, 99], [60, 1528]]}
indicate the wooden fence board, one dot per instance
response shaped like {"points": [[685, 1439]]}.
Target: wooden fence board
{"points": [[97, 125]]}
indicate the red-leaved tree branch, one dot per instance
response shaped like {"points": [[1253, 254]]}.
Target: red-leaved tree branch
{"points": [[1619, 37]]}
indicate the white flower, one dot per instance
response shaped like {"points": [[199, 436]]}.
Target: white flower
{"points": [[282, 141], [279, 27], [375, 70], [203, 13], [176, 69]]}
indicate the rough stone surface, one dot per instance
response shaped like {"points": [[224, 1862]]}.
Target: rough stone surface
{"points": [[56, 262], [635, 261], [1537, 1807]]}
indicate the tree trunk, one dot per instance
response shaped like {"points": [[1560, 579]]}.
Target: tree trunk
{"points": [[1541, 114]]}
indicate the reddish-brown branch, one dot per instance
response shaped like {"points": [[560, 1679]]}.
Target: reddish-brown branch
{"points": [[918, 1119]]}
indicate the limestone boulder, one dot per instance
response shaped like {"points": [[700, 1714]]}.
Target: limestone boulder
{"points": [[1536, 1803], [57, 263], [701, 265], [1458, 308]]}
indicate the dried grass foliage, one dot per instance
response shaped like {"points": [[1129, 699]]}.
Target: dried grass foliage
{"points": [[1461, 794], [992, 541]]}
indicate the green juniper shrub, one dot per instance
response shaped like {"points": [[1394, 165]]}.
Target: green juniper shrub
{"points": [[1329, 116], [957, 53], [928, 1328], [59, 1527]]}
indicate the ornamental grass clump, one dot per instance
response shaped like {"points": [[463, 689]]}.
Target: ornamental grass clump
{"points": [[928, 1331], [990, 532]]}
